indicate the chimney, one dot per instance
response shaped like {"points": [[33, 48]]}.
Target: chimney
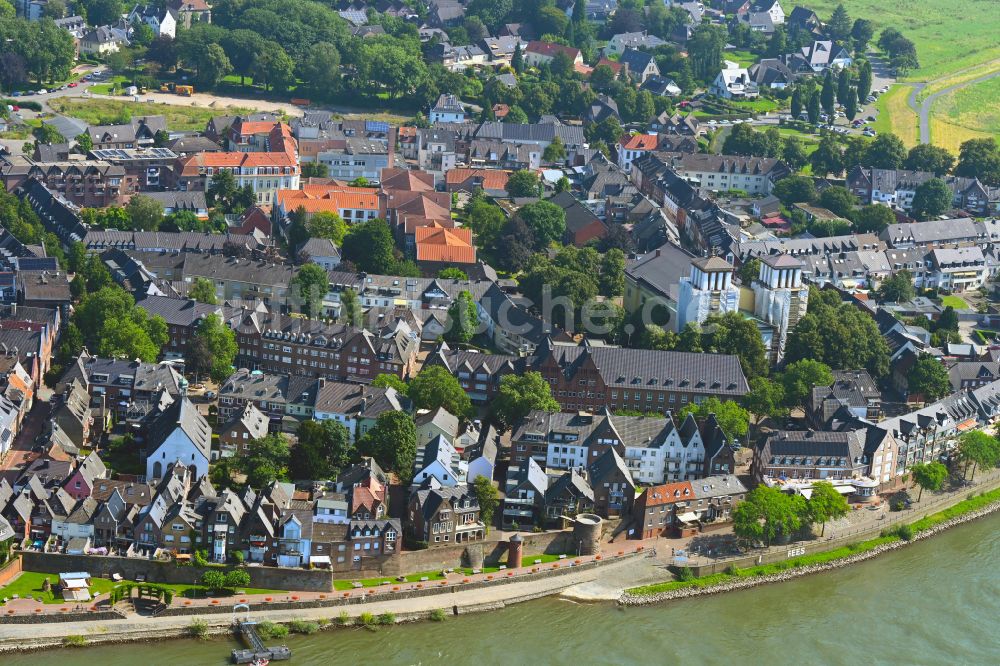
{"points": [[657, 253]]}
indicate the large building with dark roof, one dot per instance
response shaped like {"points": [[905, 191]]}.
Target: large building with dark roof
{"points": [[592, 377]]}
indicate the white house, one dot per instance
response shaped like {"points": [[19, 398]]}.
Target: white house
{"points": [[294, 547], [447, 109], [734, 82], [179, 434], [162, 21], [482, 459], [439, 465], [103, 40]]}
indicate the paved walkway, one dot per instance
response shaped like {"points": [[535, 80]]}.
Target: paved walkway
{"points": [[530, 587], [923, 107]]}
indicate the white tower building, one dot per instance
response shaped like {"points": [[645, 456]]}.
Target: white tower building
{"points": [[780, 297], [707, 291]]}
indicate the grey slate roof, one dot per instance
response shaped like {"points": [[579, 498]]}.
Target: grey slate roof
{"points": [[184, 415]]}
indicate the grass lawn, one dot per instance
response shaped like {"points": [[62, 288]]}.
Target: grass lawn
{"points": [[29, 584], [948, 35], [107, 87], [968, 113], [894, 115], [954, 301], [107, 111], [741, 57]]}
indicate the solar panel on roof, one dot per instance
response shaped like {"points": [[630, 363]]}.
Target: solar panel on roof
{"points": [[376, 126]]}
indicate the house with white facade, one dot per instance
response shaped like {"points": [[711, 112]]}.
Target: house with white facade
{"points": [[163, 21], [447, 109], [439, 466], [734, 82], [179, 434]]}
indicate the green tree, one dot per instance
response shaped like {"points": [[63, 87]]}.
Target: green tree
{"points": [[839, 335], [203, 291], [980, 158], [826, 504], [657, 338], [518, 395], [733, 419], [931, 198], [487, 497], [793, 153], [555, 151], [704, 49], [768, 513], [350, 309], [220, 340], [828, 96], [690, 338], [452, 273], [929, 476], [546, 221], [211, 64], [214, 579], [487, 222], [370, 247], [463, 319], [873, 219], [928, 378], [840, 200], [749, 271], [392, 442], [325, 224], [765, 399], [864, 79], [732, 333], [800, 377], [828, 156], [273, 67], [265, 461], [796, 102], [145, 212], [839, 26], [385, 380], [236, 578], [851, 104], [813, 107], [435, 387], [979, 449], [524, 183], [897, 288], [928, 157], [309, 286], [84, 142], [323, 449], [862, 32], [886, 151], [795, 189], [222, 191]]}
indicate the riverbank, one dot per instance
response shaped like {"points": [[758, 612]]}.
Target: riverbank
{"points": [[970, 509], [455, 601]]}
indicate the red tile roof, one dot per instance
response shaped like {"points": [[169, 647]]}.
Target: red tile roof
{"points": [[668, 493], [549, 50], [640, 142], [492, 179], [445, 245]]}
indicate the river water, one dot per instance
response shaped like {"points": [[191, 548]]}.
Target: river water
{"points": [[936, 602]]}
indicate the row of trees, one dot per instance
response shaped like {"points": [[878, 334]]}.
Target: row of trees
{"points": [[32, 50], [768, 514]]}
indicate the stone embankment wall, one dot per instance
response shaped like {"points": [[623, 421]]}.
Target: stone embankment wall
{"points": [[130, 568], [744, 583]]}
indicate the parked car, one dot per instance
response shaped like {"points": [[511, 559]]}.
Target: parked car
{"points": [[43, 91], [210, 395], [74, 84]]}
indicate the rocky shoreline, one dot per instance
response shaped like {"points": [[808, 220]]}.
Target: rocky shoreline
{"points": [[627, 599]]}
